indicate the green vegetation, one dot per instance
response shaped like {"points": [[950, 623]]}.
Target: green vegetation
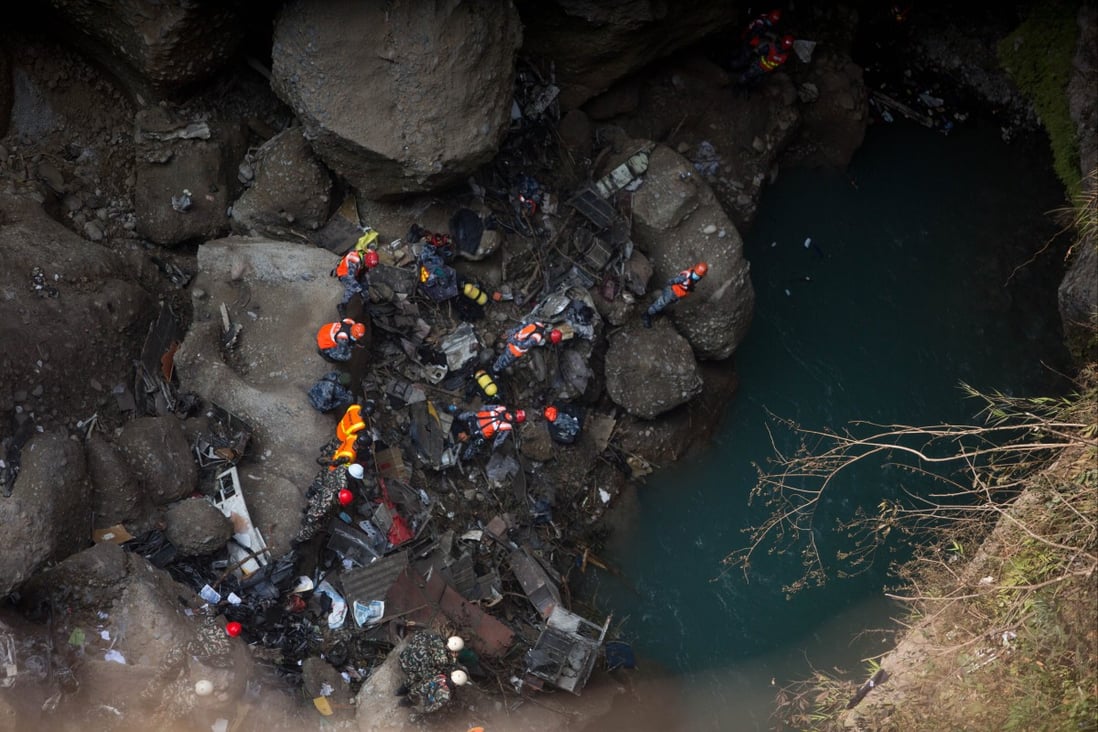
{"points": [[1037, 56]]}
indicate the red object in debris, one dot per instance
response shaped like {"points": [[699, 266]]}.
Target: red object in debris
{"points": [[233, 628], [296, 604], [345, 497], [399, 532]]}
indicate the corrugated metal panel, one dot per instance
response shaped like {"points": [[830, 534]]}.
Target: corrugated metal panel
{"points": [[373, 581]]}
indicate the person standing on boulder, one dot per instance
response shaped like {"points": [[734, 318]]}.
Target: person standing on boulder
{"points": [[676, 289]]}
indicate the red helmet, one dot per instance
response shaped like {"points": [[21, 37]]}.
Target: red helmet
{"points": [[346, 497], [774, 16], [520, 416], [555, 336], [358, 331], [787, 42], [551, 413], [701, 268], [371, 260]]}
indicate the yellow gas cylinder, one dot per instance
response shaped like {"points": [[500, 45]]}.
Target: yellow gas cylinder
{"points": [[474, 293], [486, 383]]}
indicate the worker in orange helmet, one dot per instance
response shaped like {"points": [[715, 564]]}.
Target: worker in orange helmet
{"points": [[769, 57], [521, 339], [334, 340], [676, 289], [351, 272], [763, 29], [491, 423]]}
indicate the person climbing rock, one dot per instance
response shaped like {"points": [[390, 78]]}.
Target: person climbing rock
{"points": [[676, 289], [491, 423], [334, 340], [761, 30], [769, 57], [520, 340], [351, 272]]}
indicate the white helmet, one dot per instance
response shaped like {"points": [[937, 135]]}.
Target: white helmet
{"points": [[454, 643], [459, 677], [355, 471]]}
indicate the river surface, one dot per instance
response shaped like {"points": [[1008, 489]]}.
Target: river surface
{"points": [[904, 290]]}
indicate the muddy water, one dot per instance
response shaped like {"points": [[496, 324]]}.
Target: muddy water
{"points": [[906, 287]]}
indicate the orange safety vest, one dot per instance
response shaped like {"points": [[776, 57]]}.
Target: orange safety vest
{"points": [[346, 450], [351, 423], [331, 335], [682, 289], [774, 58], [491, 421], [351, 258], [518, 344]]}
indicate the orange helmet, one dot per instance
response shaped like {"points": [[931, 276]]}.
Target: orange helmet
{"points": [[371, 259], [555, 336], [701, 268], [774, 16], [551, 413], [520, 416], [787, 42], [358, 331]]}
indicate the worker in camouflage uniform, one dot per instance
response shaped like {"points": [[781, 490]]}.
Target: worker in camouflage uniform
{"points": [[427, 662], [322, 501]]}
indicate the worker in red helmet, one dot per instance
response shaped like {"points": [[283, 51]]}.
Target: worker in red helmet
{"points": [[334, 340], [492, 423], [676, 289], [351, 272], [763, 29], [769, 57], [521, 339]]}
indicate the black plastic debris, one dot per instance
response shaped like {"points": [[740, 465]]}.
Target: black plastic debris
{"points": [[154, 546], [466, 230], [619, 654]]}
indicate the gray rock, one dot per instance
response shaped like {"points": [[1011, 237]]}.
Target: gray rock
{"points": [[398, 97], [319, 676], [1078, 299], [649, 371], [576, 134], [153, 44], [290, 184], [93, 231], [48, 515], [116, 496], [160, 457], [166, 167], [671, 211], [196, 528]]}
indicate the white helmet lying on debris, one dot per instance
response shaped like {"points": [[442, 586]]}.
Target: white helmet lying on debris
{"points": [[459, 677], [454, 643]]}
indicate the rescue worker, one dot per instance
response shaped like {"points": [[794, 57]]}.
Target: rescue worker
{"points": [[676, 289], [761, 29], [520, 340], [437, 280], [493, 423], [322, 502], [351, 272], [429, 670], [769, 56], [334, 340]]}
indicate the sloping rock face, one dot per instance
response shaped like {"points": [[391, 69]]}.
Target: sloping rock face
{"points": [[835, 113], [81, 324], [594, 44], [678, 222], [160, 457], [281, 293], [651, 371], [292, 190], [398, 97], [48, 515], [167, 45]]}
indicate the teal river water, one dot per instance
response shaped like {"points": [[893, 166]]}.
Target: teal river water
{"points": [[908, 296]]}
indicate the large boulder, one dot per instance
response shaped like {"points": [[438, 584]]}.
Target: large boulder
{"points": [[186, 176], [291, 190], [196, 528], [6, 91], [156, 44], [651, 371], [678, 222], [70, 315], [157, 452], [593, 44], [117, 496], [402, 96], [834, 115], [1078, 299], [48, 515], [265, 380]]}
